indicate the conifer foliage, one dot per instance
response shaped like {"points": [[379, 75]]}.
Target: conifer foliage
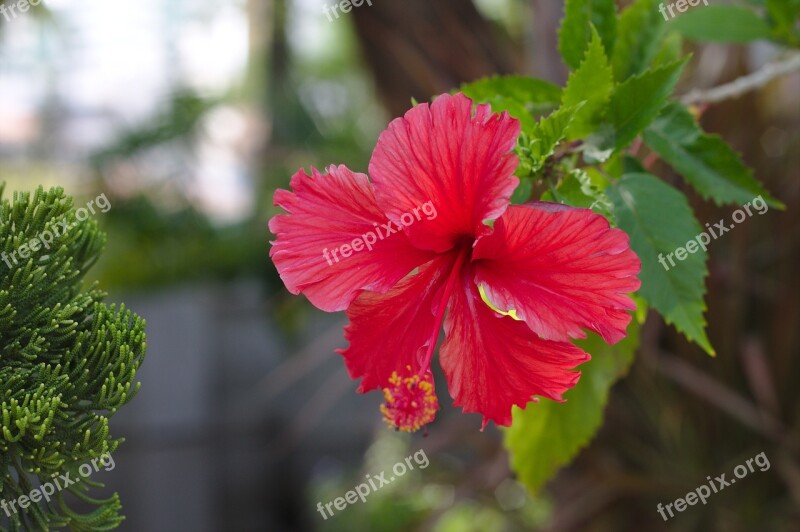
{"points": [[67, 363]]}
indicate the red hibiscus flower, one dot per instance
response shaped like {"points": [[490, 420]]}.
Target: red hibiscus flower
{"points": [[432, 241]]}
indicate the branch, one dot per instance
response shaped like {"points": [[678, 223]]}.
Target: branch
{"points": [[717, 394], [744, 84]]}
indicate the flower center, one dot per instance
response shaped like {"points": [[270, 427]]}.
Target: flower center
{"points": [[411, 401]]}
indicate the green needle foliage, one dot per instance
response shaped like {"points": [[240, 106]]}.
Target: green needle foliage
{"points": [[67, 362]]}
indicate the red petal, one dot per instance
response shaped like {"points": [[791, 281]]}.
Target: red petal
{"points": [[561, 269], [494, 362], [326, 212], [457, 159], [389, 332]]}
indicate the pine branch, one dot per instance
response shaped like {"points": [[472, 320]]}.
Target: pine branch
{"points": [[67, 361], [744, 84]]}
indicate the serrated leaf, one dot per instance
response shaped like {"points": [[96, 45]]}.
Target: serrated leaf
{"points": [[592, 83], [659, 220], [521, 96], [536, 144], [705, 161], [636, 102], [639, 33], [721, 24], [550, 131], [575, 34], [548, 435], [582, 189]]}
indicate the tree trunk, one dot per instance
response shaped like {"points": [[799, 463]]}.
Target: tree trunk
{"points": [[419, 48]]}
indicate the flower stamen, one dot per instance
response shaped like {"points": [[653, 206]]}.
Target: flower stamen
{"points": [[411, 401]]}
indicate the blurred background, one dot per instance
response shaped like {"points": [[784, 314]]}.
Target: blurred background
{"points": [[189, 114]]}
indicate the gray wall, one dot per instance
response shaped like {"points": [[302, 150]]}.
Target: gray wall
{"points": [[231, 419]]}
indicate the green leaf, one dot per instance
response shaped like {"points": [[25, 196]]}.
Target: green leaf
{"points": [[622, 163], [582, 188], [550, 131], [521, 96], [615, 167], [636, 102], [784, 11], [632, 165], [784, 15], [639, 34], [659, 220], [722, 24], [574, 34], [514, 108], [591, 83], [705, 161], [523, 89], [548, 435], [671, 50], [536, 145], [523, 191]]}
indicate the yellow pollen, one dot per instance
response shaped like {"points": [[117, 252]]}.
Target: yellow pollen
{"points": [[411, 401]]}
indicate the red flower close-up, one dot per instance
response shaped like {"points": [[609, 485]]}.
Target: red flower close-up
{"points": [[512, 285], [400, 266]]}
